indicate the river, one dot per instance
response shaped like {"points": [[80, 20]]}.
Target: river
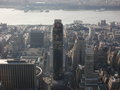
{"points": [[18, 17]]}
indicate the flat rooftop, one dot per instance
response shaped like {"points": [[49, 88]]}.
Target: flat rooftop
{"points": [[13, 61], [33, 52]]}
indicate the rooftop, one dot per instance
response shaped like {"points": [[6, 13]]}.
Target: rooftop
{"points": [[12, 61], [33, 52]]}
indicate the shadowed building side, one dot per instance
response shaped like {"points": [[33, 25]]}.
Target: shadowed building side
{"points": [[57, 50]]}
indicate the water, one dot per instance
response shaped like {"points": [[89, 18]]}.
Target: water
{"points": [[15, 17]]}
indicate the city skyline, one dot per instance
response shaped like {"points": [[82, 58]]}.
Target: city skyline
{"points": [[59, 45]]}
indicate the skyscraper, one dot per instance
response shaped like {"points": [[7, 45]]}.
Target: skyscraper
{"points": [[89, 61], [57, 49], [17, 75], [89, 79]]}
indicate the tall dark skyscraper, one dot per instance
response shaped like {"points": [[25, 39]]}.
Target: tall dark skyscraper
{"points": [[57, 49]]}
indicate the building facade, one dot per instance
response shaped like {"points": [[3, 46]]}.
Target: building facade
{"points": [[57, 49], [36, 39], [17, 75]]}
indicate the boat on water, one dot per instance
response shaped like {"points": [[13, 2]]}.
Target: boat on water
{"points": [[26, 10], [100, 10], [47, 11], [41, 10]]}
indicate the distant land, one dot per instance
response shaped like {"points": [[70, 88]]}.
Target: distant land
{"points": [[61, 4]]}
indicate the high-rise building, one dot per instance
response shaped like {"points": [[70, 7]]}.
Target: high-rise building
{"points": [[103, 22], [89, 61], [36, 38], [78, 52], [3, 27], [91, 33], [57, 50], [89, 78], [17, 75]]}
